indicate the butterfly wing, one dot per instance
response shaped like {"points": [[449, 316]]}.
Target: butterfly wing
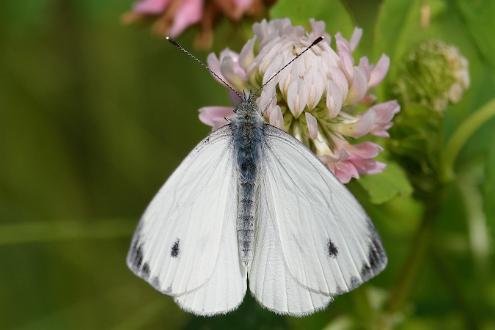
{"points": [[324, 239], [269, 279], [185, 243], [226, 288]]}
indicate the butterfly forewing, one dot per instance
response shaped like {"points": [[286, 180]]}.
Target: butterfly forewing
{"points": [[326, 240], [181, 240]]}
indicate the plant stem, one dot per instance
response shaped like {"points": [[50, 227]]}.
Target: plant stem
{"points": [[403, 286], [461, 136], [407, 275], [409, 271], [447, 277]]}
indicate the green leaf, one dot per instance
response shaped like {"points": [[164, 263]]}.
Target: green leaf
{"points": [[384, 186], [479, 19], [332, 12]]}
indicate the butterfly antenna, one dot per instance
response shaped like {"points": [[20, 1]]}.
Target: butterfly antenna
{"points": [[314, 43], [176, 44]]}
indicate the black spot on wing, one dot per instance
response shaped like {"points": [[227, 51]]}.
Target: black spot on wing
{"points": [[332, 249], [174, 252]]}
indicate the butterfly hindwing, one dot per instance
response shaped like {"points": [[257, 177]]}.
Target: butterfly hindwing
{"points": [[226, 288], [269, 279]]}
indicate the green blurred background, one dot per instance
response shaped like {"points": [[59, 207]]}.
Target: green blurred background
{"points": [[94, 116]]}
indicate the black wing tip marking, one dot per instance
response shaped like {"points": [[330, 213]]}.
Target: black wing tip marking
{"points": [[175, 250], [332, 250], [145, 270], [135, 260], [377, 259], [142, 269]]}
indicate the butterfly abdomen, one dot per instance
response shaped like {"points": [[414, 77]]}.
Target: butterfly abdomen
{"points": [[247, 133]]}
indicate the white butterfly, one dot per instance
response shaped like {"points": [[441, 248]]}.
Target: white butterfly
{"points": [[252, 202]]}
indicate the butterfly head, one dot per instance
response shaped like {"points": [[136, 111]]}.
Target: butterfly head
{"points": [[249, 95], [248, 103]]}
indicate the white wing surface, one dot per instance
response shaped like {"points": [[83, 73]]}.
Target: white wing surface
{"points": [[269, 278], [321, 235], [185, 244], [225, 290]]}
